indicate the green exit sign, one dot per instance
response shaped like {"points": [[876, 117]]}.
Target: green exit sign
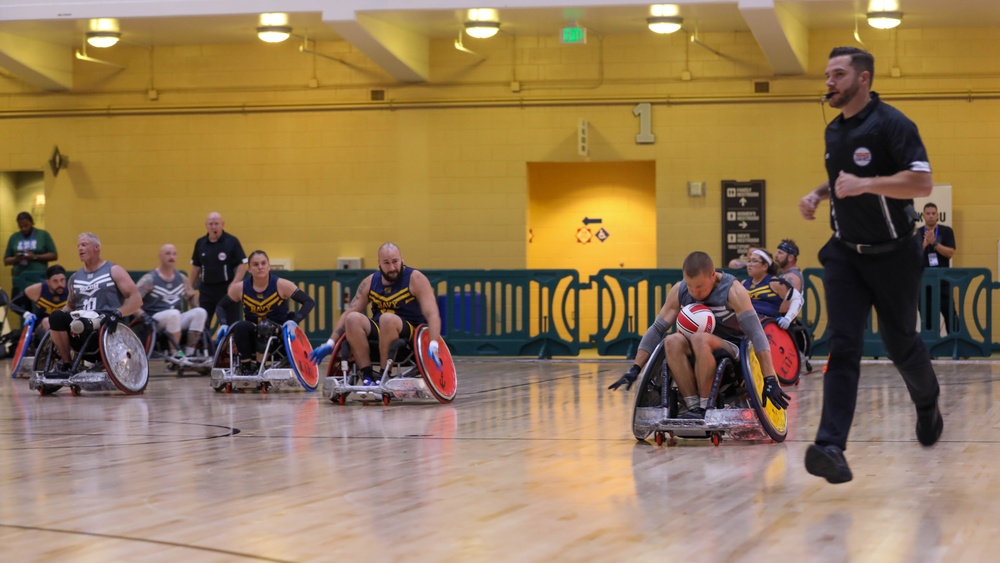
{"points": [[574, 35]]}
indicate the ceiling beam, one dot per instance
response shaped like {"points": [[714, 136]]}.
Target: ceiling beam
{"points": [[41, 64], [404, 54], [782, 37]]}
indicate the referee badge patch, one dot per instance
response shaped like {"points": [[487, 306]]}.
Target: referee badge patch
{"points": [[862, 156], [222, 255]]}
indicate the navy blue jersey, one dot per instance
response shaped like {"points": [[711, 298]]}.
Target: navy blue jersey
{"points": [[878, 141], [395, 298], [49, 302], [765, 301], [267, 304]]}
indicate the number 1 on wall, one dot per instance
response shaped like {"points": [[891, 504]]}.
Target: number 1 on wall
{"points": [[644, 112]]}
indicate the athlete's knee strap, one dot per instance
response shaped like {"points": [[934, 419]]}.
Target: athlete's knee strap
{"points": [[750, 324], [654, 335]]}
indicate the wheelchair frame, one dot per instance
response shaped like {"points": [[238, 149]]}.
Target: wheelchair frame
{"points": [[413, 377], [121, 357], [734, 411], [202, 364], [293, 370]]}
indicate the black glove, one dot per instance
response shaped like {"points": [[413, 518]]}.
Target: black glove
{"points": [[628, 379], [773, 391], [111, 318]]}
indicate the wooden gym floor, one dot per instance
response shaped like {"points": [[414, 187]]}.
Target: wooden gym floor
{"points": [[534, 461]]}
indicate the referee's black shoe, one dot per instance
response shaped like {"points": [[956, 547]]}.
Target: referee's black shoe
{"points": [[929, 425], [828, 462]]}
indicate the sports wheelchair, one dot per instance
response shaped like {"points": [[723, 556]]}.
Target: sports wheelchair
{"points": [[735, 408], [158, 343], [409, 374], [105, 361], [284, 363]]}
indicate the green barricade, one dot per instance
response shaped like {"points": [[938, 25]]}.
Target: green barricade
{"points": [[968, 333], [483, 312], [627, 302]]}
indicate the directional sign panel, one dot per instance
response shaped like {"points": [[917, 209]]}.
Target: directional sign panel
{"points": [[742, 218]]}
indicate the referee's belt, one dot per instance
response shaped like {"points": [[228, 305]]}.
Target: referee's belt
{"points": [[879, 248]]}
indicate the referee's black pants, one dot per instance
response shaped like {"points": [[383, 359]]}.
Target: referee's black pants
{"points": [[209, 297], [854, 283]]}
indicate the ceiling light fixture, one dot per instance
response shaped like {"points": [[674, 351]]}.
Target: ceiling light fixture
{"points": [[274, 27], [664, 18], [884, 20], [482, 23], [664, 24], [103, 32]]}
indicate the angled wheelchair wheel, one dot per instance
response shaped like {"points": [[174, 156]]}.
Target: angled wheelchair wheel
{"points": [[46, 359], [21, 350], [298, 348], [784, 352], [772, 419], [223, 358], [144, 333], [341, 356], [653, 391], [441, 382], [125, 359]]}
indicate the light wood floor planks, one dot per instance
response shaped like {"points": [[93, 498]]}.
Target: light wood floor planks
{"points": [[534, 461]]}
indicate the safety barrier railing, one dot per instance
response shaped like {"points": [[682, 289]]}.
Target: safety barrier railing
{"points": [[537, 312]]}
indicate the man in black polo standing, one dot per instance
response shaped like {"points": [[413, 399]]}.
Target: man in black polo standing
{"points": [[217, 261], [938, 243], [875, 163]]}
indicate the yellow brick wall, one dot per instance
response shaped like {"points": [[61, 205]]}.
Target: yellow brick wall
{"points": [[441, 168]]}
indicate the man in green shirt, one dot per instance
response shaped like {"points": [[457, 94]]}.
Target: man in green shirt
{"points": [[29, 251]]}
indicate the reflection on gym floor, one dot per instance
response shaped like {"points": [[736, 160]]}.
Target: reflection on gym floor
{"points": [[534, 461]]}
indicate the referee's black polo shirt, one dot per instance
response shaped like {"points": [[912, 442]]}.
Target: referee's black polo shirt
{"points": [[878, 141], [218, 260]]}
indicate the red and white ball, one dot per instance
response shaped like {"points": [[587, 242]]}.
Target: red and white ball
{"points": [[695, 317]]}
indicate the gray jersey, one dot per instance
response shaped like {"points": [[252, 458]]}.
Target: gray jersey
{"points": [[795, 273], [728, 327], [96, 291], [165, 294]]}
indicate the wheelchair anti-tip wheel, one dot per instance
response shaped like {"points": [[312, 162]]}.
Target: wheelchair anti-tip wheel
{"points": [[772, 419], [784, 352]]}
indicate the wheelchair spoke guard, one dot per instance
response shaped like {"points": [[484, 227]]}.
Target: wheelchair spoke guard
{"points": [[22, 347], [298, 351], [784, 352], [124, 357], [441, 382], [772, 419]]}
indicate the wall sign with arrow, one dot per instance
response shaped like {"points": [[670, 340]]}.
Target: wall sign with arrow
{"points": [[742, 218]]}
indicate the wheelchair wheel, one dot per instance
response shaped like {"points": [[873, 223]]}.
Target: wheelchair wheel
{"points": [[784, 352], [124, 357], [298, 351], [441, 382], [21, 350], [772, 419], [223, 359], [46, 358], [650, 393], [144, 333]]}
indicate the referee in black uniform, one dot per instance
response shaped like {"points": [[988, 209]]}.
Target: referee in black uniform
{"points": [[218, 259], [876, 163]]}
